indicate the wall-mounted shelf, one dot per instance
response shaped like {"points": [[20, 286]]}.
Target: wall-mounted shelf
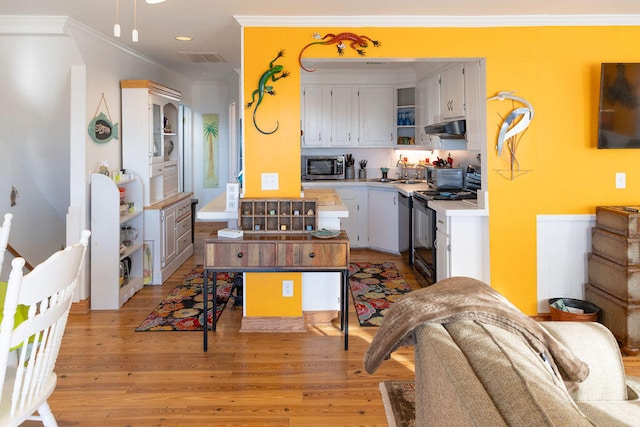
{"points": [[278, 215]]}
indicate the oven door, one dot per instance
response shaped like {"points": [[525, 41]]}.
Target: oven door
{"points": [[424, 236]]}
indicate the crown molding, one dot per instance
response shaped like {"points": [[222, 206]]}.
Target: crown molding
{"points": [[34, 25], [438, 21]]}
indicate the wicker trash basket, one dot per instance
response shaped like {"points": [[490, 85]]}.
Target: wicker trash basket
{"points": [[589, 311]]}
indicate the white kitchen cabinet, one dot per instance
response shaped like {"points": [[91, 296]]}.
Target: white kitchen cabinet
{"points": [[316, 116], [344, 117], [110, 289], [167, 228], [355, 199], [452, 102], [150, 137], [376, 109], [462, 246], [383, 219], [330, 116], [475, 97], [429, 99]]}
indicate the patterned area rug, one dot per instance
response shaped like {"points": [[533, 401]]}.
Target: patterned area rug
{"points": [[182, 309], [374, 288], [399, 398]]}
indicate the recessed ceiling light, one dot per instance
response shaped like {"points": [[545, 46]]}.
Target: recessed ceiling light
{"points": [[154, 1], [184, 38]]}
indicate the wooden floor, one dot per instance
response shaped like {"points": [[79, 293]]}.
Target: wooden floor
{"points": [[109, 375]]}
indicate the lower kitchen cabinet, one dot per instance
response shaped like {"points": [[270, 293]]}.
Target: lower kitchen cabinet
{"points": [[167, 229], [383, 219], [355, 199], [462, 247]]}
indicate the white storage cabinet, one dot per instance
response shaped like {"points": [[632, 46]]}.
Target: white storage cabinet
{"points": [[106, 221], [150, 137], [167, 228]]}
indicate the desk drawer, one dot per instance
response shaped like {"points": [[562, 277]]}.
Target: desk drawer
{"points": [[312, 255], [235, 255]]}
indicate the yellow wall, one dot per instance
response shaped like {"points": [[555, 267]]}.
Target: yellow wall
{"points": [[555, 68]]}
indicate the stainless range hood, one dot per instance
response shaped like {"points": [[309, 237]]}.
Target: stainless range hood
{"points": [[455, 129]]}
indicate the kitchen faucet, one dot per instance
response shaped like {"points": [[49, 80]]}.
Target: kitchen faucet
{"points": [[403, 167]]}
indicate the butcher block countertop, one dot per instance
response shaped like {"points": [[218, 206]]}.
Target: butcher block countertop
{"points": [[329, 205]]}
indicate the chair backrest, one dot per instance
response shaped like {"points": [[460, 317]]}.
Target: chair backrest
{"points": [[47, 291], [4, 237]]}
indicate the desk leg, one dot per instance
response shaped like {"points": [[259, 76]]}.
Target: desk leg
{"points": [[345, 307], [205, 304]]}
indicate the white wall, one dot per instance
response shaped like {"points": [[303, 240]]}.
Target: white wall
{"points": [[40, 124], [34, 140], [211, 98]]}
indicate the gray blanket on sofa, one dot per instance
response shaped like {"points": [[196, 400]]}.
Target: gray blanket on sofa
{"points": [[464, 298]]}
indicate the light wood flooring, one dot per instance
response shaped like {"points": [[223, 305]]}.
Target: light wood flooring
{"points": [[109, 375]]}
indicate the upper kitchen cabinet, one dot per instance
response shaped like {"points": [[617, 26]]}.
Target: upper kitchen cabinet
{"points": [[452, 102], [316, 118], [346, 116], [376, 106], [330, 116], [475, 99], [150, 137]]}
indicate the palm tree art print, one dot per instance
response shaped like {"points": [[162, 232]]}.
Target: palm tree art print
{"points": [[210, 158]]}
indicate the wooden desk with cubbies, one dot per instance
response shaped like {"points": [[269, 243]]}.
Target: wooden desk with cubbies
{"points": [[278, 215]]}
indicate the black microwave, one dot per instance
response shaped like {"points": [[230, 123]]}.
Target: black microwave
{"points": [[322, 167]]}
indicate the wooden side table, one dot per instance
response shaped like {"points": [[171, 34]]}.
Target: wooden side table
{"points": [[278, 252]]}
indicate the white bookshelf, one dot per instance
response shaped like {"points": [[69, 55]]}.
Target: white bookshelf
{"points": [[107, 293]]}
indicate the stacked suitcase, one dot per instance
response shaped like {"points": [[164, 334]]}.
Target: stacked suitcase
{"points": [[614, 273]]}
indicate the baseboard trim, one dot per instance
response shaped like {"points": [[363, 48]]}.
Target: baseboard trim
{"points": [[81, 307], [319, 317], [273, 324]]}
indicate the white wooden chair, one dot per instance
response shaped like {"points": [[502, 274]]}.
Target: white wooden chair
{"points": [[4, 237], [48, 292]]}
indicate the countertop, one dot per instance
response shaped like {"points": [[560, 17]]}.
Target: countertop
{"points": [[406, 189], [448, 207], [215, 210]]}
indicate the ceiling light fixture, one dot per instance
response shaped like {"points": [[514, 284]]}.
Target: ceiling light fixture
{"points": [[184, 38], [116, 27], [134, 32], [154, 1]]}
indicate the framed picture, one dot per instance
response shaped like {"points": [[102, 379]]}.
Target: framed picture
{"points": [[210, 147]]}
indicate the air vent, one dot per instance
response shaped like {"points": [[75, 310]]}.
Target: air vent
{"points": [[200, 57]]}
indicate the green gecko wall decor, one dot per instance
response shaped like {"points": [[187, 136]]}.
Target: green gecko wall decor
{"points": [[274, 73], [358, 43]]}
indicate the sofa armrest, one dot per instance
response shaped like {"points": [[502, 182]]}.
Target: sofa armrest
{"points": [[595, 345]]}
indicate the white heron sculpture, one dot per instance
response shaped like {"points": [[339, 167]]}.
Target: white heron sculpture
{"points": [[516, 122]]}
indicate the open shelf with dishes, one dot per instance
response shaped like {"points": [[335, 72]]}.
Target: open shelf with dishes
{"points": [[278, 215]]}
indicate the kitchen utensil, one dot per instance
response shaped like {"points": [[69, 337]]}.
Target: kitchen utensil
{"points": [[363, 164]]}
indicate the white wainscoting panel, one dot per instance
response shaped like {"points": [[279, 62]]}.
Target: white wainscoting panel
{"points": [[564, 241]]}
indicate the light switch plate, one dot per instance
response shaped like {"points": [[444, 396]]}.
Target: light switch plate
{"points": [[621, 180], [269, 181]]}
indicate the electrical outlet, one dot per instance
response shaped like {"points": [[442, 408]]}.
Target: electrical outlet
{"points": [[269, 181], [287, 288], [621, 180]]}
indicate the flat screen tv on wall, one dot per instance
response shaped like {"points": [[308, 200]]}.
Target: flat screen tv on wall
{"points": [[619, 114]]}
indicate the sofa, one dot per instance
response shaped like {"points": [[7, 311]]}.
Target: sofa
{"points": [[479, 361]]}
